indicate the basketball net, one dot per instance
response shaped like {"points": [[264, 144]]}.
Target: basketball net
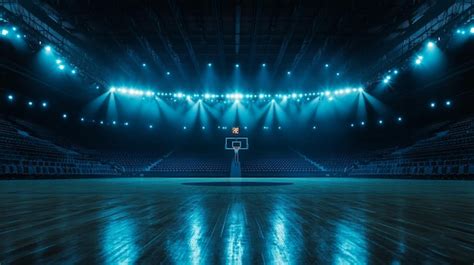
{"points": [[236, 153]]}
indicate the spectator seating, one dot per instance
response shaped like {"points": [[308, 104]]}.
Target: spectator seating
{"points": [[286, 163], [24, 154], [29, 150], [194, 164], [445, 154]]}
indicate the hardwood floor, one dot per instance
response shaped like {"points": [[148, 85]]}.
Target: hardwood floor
{"points": [[304, 221]]}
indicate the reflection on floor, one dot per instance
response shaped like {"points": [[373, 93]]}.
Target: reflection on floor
{"points": [[311, 221]]}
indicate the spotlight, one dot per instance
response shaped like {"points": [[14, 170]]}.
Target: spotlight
{"points": [[149, 93], [150, 126], [18, 36], [314, 127], [61, 67], [432, 105], [112, 90], [143, 64], [14, 28], [168, 73], [399, 119], [448, 103], [44, 104], [472, 30], [264, 65], [419, 60], [326, 65], [58, 61], [203, 127], [30, 103], [338, 74], [288, 73], [237, 65], [185, 128], [209, 64], [362, 123], [395, 72], [430, 45], [380, 122], [4, 32], [352, 124], [73, 71], [10, 97], [126, 123], [96, 87], [64, 116], [279, 127], [101, 122], [82, 119], [48, 49], [114, 122]]}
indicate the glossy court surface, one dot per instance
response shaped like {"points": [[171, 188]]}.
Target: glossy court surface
{"points": [[206, 221]]}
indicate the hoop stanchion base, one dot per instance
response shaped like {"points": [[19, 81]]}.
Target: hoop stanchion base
{"points": [[235, 170]]}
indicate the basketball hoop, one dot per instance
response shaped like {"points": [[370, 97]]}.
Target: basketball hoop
{"points": [[237, 144]]}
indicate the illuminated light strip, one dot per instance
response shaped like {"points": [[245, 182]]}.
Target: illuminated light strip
{"points": [[235, 96], [467, 31], [12, 32]]}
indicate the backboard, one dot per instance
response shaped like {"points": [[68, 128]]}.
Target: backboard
{"points": [[240, 143]]}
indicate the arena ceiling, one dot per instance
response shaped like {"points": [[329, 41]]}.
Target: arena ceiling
{"points": [[176, 39], [182, 37]]}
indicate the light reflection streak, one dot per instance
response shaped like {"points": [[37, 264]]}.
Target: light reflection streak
{"points": [[118, 240], [236, 235], [283, 244], [190, 246], [351, 244], [196, 236]]}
